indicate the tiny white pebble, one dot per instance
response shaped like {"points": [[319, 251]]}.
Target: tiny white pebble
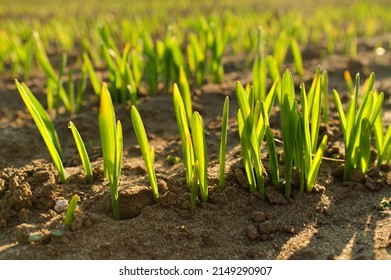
{"points": [[61, 205], [380, 51]]}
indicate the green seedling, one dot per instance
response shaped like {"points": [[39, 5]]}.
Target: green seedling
{"points": [[44, 63], [289, 122], [223, 141], [324, 78], [200, 155], [250, 140], [45, 127], [185, 91], [112, 145], [196, 58], [71, 210], [383, 143], [82, 151], [297, 57], [184, 134], [95, 79], [151, 64], [357, 125], [147, 152]]}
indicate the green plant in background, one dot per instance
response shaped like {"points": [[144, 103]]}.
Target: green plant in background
{"points": [[184, 89], [147, 152], [173, 59], [82, 151], [71, 210], [259, 70], [223, 141], [54, 80], [112, 145], [357, 124], [151, 64], [45, 127], [95, 79]]}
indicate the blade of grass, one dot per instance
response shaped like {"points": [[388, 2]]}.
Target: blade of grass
{"points": [[145, 150], [82, 151], [43, 129], [198, 137], [223, 142]]}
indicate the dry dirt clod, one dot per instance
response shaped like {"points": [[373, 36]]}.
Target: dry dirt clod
{"points": [[357, 176], [267, 227], [3, 223], [251, 232], [240, 178], [258, 216], [275, 197], [22, 232]]}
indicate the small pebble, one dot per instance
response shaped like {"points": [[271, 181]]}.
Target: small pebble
{"points": [[267, 227], [258, 216], [61, 205], [251, 232]]}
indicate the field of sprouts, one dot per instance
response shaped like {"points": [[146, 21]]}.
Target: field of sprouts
{"points": [[176, 130]]}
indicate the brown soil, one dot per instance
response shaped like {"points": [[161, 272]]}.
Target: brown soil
{"points": [[338, 220]]}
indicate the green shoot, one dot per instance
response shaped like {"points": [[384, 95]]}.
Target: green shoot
{"points": [[147, 152], [200, 155], [184, 134], [82, 151], [289, 122], [297, 58], [112, 145], [383, 143], [223, 141], [71, 210], [185, 91], [94, 78], [357, 124], [44, 126], [249, 141], [259, 70]]}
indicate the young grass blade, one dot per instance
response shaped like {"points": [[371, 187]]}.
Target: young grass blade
{"points": [[313, 172], [250, 135], [71, 210], [43, 129], [198, 137], [95, 81], [146, 151], [184, 134], [325, 90], [42, 58], [48, 123], [297, 58], [246, 153], [195, 185], [349, 81], [259, 70], [289, 122], [273, 160], [223, 142], [341, 113], [185, 91], [111, 138], [365, 145], [82, 151]]}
